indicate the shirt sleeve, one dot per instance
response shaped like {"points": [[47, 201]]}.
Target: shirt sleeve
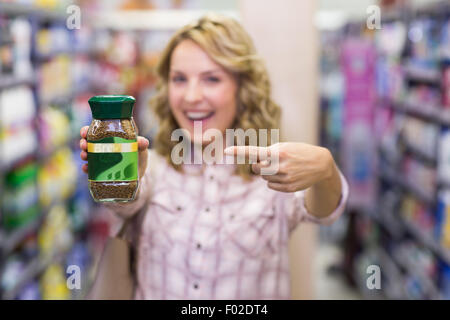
{"points": [[127, 210], [301, 214]]}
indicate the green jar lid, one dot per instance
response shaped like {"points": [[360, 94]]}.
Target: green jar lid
{"points": [[112, 106]]}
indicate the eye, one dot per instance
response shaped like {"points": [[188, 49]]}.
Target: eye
{"points": [[212, 79], [178, 78]]}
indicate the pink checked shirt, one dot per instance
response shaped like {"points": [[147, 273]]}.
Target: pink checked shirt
{"points": [[207, 234]]}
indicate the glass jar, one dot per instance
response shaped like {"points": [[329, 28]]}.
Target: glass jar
{"points": [[112, 149]]}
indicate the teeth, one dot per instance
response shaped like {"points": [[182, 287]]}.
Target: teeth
{"points": [[198, 115]]}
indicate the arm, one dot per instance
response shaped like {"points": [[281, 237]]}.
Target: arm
{"points": [[308, 171], [323, 197]]}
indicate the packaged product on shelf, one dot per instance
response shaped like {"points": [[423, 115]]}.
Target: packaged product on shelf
{"points": [[6, 52], [442, 231], [57, 177], [444, 45], [424, 46], [55, 236], [53, 283], [444, 156], [112, 149], [21, 33], [21, 197], [54, 129], [445, 281], [17, 107], [54, 39], [446, 88], [81, 204], [81, 75], [358, 147], [80, 114], [55, 79], [17, 146], [13, 269], [31, 291], [424, 98], [421, 136], [419, 176], [17, 136]]}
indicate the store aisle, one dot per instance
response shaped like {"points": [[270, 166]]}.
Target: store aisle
{"points": [[331, 286]]}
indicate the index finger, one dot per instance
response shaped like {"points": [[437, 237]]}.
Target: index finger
{"points": [[252, 152], [83, 132]]}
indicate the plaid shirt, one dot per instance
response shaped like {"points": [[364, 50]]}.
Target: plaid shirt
{"points": [[207, 234]]}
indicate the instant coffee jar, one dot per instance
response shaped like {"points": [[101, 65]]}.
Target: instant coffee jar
{"points": [[112, 149]]}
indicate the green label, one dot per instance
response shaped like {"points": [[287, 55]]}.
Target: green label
{"points": [[114, 164]]}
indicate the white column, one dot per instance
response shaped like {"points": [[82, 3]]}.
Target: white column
{"points": [[284, 35]]}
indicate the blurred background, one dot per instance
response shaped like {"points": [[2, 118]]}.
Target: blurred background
{"points": [[370, 80]]}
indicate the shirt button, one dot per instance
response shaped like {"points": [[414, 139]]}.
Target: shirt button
{"points": [[211, 178], [179, 208], [207, 209], [195, 286], [199, 246], [232, 217]]}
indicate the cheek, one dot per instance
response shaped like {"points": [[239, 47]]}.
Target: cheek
{"points": [[174, 98], [226, 105]]}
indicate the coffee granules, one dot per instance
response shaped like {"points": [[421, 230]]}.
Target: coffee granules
{"points": [[112, 149]]}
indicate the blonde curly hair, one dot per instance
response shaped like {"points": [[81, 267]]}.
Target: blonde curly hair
{"points": [[228, 44]]}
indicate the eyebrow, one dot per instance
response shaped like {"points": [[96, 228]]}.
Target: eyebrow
{"points": [[204, 72]]}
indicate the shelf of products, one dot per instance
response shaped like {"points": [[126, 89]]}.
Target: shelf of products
{"points": [[397, 101], [48, 220], [45, 211]]}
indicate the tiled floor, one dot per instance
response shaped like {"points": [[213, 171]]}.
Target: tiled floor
{"points": [[331, 286]]}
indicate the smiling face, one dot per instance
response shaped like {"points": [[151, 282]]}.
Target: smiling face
{"points": [[200, 90]]}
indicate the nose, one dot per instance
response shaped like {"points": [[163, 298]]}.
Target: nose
{"points": [[193, 92]]}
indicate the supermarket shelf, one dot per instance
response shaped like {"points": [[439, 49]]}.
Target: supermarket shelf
{"points": [[402, 183], [45, 57], [11, 166], [12, 81], [58, 100], [72, 141], [34, 269], [442, 184], [6, 41], [17, 9], [432, 77], [150, 19], [16, 237], [383, 223], [435, 114], [413, 270], [394, 273], [427, 241], [421, 155]]}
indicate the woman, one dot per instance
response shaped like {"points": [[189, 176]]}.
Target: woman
{"points": [[221, 231]]}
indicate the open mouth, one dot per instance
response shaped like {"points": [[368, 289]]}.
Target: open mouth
{"points": [[199, 115]]}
